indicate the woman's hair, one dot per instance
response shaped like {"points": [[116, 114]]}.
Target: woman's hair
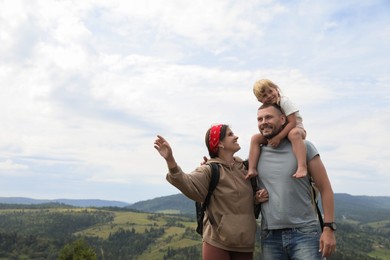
{"points": [[221, 137], [262, 85]]}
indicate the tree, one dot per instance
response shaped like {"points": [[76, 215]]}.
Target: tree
{"points": [[77, 250]]}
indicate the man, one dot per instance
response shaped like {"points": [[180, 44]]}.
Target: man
{"points": [[290, 228]]}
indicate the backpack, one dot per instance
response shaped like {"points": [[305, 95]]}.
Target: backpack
{"points": [[201, 207]]}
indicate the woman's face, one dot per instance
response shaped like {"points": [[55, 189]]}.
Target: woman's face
{"points": [[230, 141]]}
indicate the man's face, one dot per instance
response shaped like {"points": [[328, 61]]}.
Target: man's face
{"points": [[270, 121]]}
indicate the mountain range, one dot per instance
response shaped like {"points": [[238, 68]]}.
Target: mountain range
{"points": [[71, 202], [359, 208], [363, 209]]}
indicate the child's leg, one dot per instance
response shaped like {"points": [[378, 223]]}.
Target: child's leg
{"points": [[296, 137], [254, 154]]}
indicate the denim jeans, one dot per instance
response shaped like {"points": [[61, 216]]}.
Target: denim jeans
{"points": [[291, 244]]}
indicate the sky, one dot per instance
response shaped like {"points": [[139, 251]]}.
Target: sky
{"points": [[87, 85]]}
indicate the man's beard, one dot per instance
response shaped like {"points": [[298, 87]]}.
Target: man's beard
{"points": [[270, 136], [273, 133]]}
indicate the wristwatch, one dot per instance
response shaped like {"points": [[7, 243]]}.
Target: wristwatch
{"points": [[330, 225]]}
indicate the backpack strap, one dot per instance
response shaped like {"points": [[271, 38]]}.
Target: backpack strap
{"points": [[213, 183], [255, 188], [315, 201]]}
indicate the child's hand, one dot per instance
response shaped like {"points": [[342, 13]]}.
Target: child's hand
{"points": [[251, 173], [274, 142]]}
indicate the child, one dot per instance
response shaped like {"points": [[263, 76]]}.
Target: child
{"points": [[268, 92]]}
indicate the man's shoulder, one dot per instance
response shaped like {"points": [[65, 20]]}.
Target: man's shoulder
{"points": [[311, 149], [309, 143]]}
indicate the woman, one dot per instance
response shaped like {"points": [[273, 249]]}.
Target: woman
{"points": [[231, 235]]}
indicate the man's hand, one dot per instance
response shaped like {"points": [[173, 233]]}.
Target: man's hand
{"points": [[327, 242], [261, 196], [205, 159]]}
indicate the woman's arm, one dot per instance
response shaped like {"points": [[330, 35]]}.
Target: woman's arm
{"points": [[165, 150]]}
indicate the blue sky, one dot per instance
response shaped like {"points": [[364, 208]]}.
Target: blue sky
{"points": [[87, 85]]}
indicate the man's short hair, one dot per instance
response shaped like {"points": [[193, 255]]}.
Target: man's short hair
{"points": [[276, 106]]}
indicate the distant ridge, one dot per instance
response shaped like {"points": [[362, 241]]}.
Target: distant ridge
{"points": [[381, 202], [359, 208], [71, 202], [177, 202]]}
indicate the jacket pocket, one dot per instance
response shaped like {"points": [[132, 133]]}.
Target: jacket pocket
{"points": [[237, 230]]}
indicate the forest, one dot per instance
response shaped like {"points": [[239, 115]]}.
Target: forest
{"points": [[57, 231]]}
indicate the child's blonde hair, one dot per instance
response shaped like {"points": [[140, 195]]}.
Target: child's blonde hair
{"points": [[263, 85]]}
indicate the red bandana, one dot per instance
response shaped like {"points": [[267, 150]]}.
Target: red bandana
{"points": [[215, 132]]}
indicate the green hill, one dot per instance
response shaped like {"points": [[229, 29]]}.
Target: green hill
{"points": [[175, 203], [363, 209], [43, 231]]}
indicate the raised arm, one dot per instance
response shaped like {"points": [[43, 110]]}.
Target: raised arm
{"points": [[165, 150]]}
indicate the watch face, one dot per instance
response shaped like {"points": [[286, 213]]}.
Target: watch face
{"points": [[334, 226]]}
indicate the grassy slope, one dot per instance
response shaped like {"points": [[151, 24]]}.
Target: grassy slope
{"points": [[140, 221], [173, 236]]}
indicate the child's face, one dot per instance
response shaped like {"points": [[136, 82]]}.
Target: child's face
{"points": [[269, 96]]}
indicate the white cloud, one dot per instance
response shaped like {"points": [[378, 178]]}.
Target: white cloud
{"points": [[87, 85], [9, 165]]}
